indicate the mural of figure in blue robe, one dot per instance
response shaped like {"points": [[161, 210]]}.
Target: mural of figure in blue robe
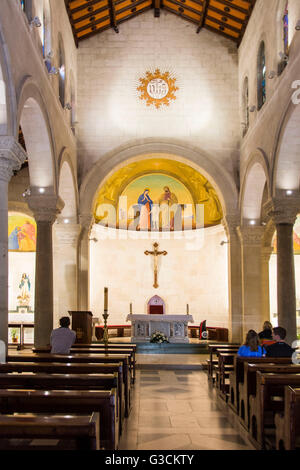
{"points": [[13, 239], [145, 203], [25, 287]]}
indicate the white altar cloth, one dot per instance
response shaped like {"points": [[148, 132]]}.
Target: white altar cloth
{"points": [[175, 327]]}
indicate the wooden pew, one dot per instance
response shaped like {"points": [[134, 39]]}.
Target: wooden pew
{"points": [[288, 423], [100, 349], [248, 387], [104, 402], [225, 365], [58, 368], [84, 430], [83, 358], [236, 377], [211, 362], [268, 401]]}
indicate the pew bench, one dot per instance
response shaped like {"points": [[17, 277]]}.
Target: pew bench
{"points": [[214, 350], [103, 402], [248, 387], [57, 368], [225, 366], [288, 423], [83, 359], [83, 430], [268, 401], [236, 377]]}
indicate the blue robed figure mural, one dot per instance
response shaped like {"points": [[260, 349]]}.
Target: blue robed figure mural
{"points": [[145, 203]]}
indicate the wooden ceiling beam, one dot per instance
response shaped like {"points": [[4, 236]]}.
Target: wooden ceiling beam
{"points": [[87, 4], [204, 11], [224, 13], [185, 7], [112, 14], [156, 6], [223, 24]]}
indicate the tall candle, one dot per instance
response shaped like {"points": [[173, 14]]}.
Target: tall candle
{"points": [[130, 308], [105, 298], [187, 309]]}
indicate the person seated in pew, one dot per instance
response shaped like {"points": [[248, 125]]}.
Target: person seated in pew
{"points": [[266, 335], [280, 348], [251, 348], [62, 339]]}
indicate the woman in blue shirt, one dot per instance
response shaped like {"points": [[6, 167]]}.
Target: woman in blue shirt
{"points": [[251, 348]]}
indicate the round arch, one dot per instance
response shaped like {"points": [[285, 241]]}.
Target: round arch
{"points": [[34, 120], [67, 189], [255, 179], [286, 162], [8, 102], [204, 163]]}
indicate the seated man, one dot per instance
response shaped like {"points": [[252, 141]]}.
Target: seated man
{"points": [[62, 338], [280, 348]]}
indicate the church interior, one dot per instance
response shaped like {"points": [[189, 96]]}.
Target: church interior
{"points": [[149, 191]]}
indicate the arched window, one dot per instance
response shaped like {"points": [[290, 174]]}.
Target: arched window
{"points": [[245, 105], [26, 6], [62, 75], [46, 35], [261, 76], [285, 21]]}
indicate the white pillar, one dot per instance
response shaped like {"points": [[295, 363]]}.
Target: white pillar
{"points": [[86, 221], [230, 223], [65, 244], [45, 209], [12, 156]]}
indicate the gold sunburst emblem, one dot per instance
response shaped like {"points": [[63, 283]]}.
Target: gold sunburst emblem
{"points": [[157, 88]]}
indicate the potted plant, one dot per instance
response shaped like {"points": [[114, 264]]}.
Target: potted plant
{"points": [[14, 335]]}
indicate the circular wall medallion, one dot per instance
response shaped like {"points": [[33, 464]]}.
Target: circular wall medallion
{"points": [[157, 88]]}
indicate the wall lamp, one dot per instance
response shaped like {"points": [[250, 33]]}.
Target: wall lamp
{"points": [[252, 109], [68, 106], [297, 27], [36, 22]]}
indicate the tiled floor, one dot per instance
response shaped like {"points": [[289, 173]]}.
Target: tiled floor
{"points": [[178, 410]]}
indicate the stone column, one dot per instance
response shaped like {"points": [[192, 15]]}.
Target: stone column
{"points": [[230, 224], [283, 212], [265, 284], [12, 156], [65, 272], [251, 241], [83, 302], [45, 209]]}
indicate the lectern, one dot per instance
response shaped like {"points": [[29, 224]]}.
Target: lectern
{"points": [[82, 325]]}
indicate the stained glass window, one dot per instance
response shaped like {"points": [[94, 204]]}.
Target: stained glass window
{"points": [[23, 6], [245, 106], [286, 29], [261, 76]]}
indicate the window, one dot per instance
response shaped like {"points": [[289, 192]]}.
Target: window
{"points": [[62, 75], [245, 105], [285, 21], [261, 76]]}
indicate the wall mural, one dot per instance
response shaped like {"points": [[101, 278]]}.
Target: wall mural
{"points": [[296, 237], [21, 233], [157, 194]]}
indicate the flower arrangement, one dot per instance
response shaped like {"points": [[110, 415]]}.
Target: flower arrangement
{"points": [[158, 337]]}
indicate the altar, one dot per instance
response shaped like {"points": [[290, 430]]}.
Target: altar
{"points": [[175, 327]]}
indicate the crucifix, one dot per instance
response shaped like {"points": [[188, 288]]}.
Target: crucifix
{"points": [[156, 254]]}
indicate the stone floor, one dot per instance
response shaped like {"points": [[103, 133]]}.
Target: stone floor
{"points": [[179, 410]]}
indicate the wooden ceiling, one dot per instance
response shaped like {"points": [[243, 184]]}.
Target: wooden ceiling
{"points": [[226, 17]]}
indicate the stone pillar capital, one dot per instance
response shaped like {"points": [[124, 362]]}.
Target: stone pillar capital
{"points": [[251, 235], [12, 156], [67, 234], [86, 221], [266, 252], [282, 211], [230, 223], [45, 207]]}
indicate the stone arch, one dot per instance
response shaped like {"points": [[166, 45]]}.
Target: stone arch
{"points": [[286, 160], [35, 123], [67, 189], [8, 102], [255, 179], [204, 163]]}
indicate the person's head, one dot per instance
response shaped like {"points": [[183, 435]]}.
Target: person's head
{"points": [[252, 340], [147, 191], [64, 322], [279, 333], [166, 189], [267, 326]]}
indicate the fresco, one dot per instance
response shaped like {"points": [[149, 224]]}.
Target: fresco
{"points": [[140, 195], [296, 237], [21, 233]]}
